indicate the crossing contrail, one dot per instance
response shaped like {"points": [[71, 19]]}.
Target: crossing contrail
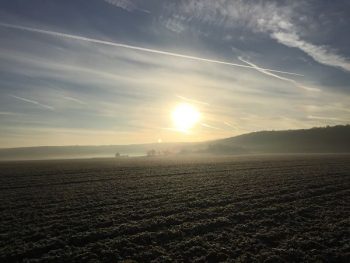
{"points": [[149, 50], [264, 71]]}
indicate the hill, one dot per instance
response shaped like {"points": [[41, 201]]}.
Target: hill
{"points": [[334, 139]]}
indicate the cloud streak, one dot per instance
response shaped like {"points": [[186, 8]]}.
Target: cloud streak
{"points": [[294, 82], [280, 22], [230, 125], [126, 5], [209, 126], [320, 54], [74, 100], [192, 100], [7, 113], [120, 45], [326, 118], [33, 102]]}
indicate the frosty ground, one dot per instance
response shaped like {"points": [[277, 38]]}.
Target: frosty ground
{"points": [[188, 209]]}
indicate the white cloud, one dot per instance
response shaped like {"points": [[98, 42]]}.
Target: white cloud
{"points": [[174, 23], [321, 54], [127, 5], [143, 96], [278, 21], [124, 4]]}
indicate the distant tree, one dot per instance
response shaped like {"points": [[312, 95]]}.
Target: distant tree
{"points": [[184, 151], [166, 152], [151, 153], [117, 155]]}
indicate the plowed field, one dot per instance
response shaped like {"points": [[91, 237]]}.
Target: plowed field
{"points": [[234, 209]]}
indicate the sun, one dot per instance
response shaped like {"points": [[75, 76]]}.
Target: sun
{"points": [[185, 116]]}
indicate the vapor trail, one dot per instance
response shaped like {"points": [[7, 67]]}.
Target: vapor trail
{"points": [[33, 102], [264, 71], [7, 113], [230, 125], [209, 126], [120, 45], [192, 100], [74, 100]]}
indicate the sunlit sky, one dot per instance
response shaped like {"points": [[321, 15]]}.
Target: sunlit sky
{"points": [[93, 72]]}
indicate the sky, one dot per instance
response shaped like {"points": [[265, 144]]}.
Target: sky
{"points": [[97, 72]]}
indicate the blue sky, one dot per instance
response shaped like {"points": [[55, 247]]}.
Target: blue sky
{"points": [[112, 71]]}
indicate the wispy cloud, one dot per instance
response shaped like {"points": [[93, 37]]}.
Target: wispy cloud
{"points": [[120, 45], [124, 4], [280, 22], [132, 88], [33, 102], [7, 113], [174, 23], [321, 54], [192, 100], [127, 5], [325, 118]]}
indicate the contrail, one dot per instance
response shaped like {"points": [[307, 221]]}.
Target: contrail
{"points": [[149, 50], [8, 113], [209, 126], [33, 102], [74, 100], [264, 71], [192, 100], [230, 125]]}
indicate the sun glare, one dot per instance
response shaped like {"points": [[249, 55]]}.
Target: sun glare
{"points": [[185, 116]]}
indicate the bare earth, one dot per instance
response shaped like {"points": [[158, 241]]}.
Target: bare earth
{"points": [[233, 209]]}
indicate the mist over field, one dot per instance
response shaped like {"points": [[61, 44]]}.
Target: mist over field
{"points": [[286, 201], [175, 131], [317, 140]]}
